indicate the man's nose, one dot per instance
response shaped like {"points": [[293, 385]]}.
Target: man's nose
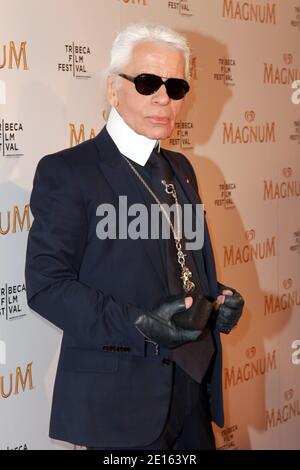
{"points": [[161, 96]]}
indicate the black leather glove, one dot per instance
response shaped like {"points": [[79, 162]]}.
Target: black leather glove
{"points": [[229, 313], [196, 317], [158, 325]]}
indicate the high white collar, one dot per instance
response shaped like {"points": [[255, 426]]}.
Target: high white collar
{"points": [[134, 146]]}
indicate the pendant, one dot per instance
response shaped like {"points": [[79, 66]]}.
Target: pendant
{"points": [[188, 285]]}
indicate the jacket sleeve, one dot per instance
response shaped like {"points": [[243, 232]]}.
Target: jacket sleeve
{"points": [[55, 249]]}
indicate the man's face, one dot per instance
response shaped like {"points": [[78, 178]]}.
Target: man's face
{"points": [[154, 115]]}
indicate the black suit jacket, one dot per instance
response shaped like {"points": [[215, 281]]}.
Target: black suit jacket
{"points": [[107, 391]]}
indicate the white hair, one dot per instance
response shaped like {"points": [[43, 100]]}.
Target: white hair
{"points": [[127, 39]]}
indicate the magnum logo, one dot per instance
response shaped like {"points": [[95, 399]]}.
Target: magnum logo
{"points": [[136, 2], [13, 56], [281, 75], [282, 189], [250, 11], [75, 60], [16, 382], [280, 303], [15, 220], [78, 136], [9, 132], [249, 133], [277, 416], [234, 255], [254, 367]]}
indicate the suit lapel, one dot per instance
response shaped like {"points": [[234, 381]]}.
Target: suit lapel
{"points": [[188, 188], [124, 182]]}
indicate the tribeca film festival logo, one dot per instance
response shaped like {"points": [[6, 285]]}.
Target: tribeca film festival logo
{"points": [[281, 74], [252, 368], [229, 436], [249, 252], [296, 136], [76, 57], [225, 200], [290, 410], [13, 305], [287, 188], [9, 133], [13, 57], [182, 135], [296, 23], [250, 133], [288, 300], [183, 7], [225, 72], [296, 246], [250, 11]]}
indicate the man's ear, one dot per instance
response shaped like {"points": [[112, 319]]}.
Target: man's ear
{"points": [[111, 90]]}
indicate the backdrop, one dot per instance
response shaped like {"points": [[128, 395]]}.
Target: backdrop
{"points": [[240, 128]]}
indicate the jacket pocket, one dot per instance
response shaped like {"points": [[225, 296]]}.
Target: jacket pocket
{"points": [[87, 360]]}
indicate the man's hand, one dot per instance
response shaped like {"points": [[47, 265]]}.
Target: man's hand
{"points": [[158, 325], [196, 317], [229, 307]]}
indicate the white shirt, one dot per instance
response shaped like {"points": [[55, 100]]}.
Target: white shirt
{"points": [[134, 146]]}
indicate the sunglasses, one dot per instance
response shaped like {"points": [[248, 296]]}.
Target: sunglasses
{"points": [[147, 84]]}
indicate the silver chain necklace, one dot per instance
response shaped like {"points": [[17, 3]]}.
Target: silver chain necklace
{"points": [[186, 273]]}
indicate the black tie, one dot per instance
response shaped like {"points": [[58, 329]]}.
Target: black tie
{"points": [[193, 357], [161, 170]]}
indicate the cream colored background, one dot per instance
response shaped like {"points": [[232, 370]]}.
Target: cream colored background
{"points": [[47, 101]]}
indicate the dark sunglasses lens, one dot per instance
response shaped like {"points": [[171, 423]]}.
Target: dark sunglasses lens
{"points": [[177, 88], [147, 84]]}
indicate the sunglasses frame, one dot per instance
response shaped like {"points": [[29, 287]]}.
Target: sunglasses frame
{"points": [[161, 82]]}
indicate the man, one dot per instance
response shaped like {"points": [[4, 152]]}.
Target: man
{"points": [[140, 364]]}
